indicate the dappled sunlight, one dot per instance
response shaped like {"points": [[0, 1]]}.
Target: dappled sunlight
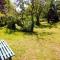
{"points": [[42, 44], [31, 28]]}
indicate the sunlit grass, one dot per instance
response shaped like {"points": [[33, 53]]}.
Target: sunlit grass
{"points": [[43, 44]]}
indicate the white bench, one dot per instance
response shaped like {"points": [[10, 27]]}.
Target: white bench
{"points": [[5, 51]]}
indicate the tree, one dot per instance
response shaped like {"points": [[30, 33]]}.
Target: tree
{"points": [[3, 11], [23, 19], [52, 13], [46, 8], [32, 15], [2, 6], [37, 9]]}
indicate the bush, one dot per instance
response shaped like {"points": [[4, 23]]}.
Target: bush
{"points": [[11, 23], [2, 21], [52, 15], [25, 24]]}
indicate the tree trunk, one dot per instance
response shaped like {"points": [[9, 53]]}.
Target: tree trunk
{"points": [[32, 25], [37, 20], [32, 17]]}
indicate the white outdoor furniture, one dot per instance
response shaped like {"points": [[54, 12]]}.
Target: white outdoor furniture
{"points": [[5, 51]]}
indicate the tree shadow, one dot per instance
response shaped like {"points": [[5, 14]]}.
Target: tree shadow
{"points": [[45, 33], [31, 33], [40, 33], [45, 26], [9, 31], [48, 25], [39, 36]]}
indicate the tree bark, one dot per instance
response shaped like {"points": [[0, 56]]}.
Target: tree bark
{"points": [[37, 20], [32, 17]]}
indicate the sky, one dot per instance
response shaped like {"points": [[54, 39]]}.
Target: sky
{"points": [[12, 1], [17, 8]]}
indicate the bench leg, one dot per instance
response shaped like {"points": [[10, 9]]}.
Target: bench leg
{"points": [[10, 58]]}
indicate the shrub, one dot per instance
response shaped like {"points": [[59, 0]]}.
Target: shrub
{"points": [[2, 21], [11, 22], [25, 24]]}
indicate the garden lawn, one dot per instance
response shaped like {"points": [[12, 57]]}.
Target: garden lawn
{"points": [[43, 44]]}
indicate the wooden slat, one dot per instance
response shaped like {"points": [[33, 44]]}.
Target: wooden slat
{"points": [[1, 55], [0, 58], [2, 51], [7, 49], [10, 50], [6, 52]]}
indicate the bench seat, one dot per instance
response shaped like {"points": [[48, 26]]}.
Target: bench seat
{"points": [[5, 51]]}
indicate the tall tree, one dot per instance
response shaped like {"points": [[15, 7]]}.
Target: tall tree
{"points": [[21, 5], [32, 15], [5, 6], [37, 10], [52, 13], [38, 7], [2, 6]]}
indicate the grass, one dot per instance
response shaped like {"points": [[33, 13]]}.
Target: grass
{"points": [[43, 44]]}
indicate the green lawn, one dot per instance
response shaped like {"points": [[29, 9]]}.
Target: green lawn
{"points": [[43, 44]]}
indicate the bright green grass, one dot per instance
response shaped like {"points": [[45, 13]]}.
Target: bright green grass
{"points": [[43, 44]]}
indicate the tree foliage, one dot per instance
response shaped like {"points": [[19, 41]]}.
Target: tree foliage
{"points": [[29, 14], [2, 6]]}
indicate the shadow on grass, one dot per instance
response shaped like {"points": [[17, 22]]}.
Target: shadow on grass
{"points": [[45, 33], [30, 33], [40, 34], [8, 31], [47, 26], [36, 36]]}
